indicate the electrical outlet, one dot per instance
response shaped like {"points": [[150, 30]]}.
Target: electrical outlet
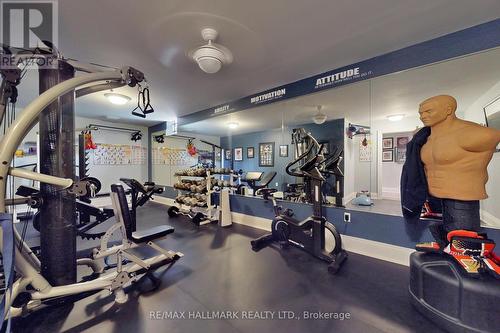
{"points": [[347, 217], [276, 184]]}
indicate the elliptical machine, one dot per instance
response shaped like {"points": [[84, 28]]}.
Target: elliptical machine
{"points": [[310, 234]]}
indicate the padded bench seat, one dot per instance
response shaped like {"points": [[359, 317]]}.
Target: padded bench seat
{"points": [[123, 212], [153, 233]]}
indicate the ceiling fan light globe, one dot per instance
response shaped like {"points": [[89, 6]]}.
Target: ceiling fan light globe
{"points": [[211, 57], [319, 118], [209, 65]]}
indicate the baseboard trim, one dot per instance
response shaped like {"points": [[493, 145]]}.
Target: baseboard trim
{"points": [[251, 221], [163, 200], [387, 252], [390, 194], [383, 251], [489, 220], [349, 197]]}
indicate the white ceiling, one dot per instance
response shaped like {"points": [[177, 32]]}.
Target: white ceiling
{"points": [[273, 42], [466, 78]]}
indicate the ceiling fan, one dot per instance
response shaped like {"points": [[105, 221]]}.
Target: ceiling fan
{"points": [[318, 117], [211, 56]]}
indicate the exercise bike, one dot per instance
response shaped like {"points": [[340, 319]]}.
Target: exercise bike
{"points": [[310, 234]]}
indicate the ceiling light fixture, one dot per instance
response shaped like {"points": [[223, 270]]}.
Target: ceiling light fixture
{"points": [[117, 99], [233, 125], [319, 118], [212, 56], [395, 117]]}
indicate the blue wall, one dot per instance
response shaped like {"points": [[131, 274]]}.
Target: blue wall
{"points": [[331, 131], [366, 225], [377, 227]]}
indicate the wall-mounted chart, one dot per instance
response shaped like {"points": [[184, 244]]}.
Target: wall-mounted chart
{"points": [[111, 154], [365, 150], [173, 157]]}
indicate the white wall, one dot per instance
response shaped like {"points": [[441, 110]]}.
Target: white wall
{"points": [[367, 175], [388, 186], [391, 171], [110, 174], [490, 208], [407, 124]]}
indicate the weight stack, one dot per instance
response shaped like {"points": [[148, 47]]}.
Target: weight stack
{"points": [[57, 214]]}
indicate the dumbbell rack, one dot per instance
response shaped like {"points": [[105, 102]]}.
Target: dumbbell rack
{"points": [[232, 184], [199, 215], [210, 213]]}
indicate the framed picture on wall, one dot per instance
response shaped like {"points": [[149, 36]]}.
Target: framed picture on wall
{"points": [[387, 156], [387, 143], [401, 148], [238, 154], [250, 152], [402, 141], [266, 154], [228, 154], [283, 150]]}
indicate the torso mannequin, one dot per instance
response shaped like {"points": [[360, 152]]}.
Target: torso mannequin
{"points": [[456, 161], [455, 158]]}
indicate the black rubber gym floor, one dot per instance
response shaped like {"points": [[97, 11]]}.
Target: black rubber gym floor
{"points": [[219, 272]]}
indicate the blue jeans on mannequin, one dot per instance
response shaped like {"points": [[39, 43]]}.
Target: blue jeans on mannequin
{"points": [[457, 214]]}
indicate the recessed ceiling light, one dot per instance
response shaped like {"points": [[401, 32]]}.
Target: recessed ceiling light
{"points": [[233, 125], [395, 117], [118, 99]]}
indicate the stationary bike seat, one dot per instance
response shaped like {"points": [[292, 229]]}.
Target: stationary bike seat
{"points": [[266, 192]]}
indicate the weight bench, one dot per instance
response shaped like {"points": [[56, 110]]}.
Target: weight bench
{"points": [[257, 180], [120, 200], [147, 190], [130, 238]]}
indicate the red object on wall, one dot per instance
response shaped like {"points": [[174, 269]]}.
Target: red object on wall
{"points": [[89, 143], [191, 149]]}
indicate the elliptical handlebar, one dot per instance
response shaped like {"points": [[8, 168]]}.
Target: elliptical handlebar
{"points": [[304, 170], [297, 160], [331, 164]]}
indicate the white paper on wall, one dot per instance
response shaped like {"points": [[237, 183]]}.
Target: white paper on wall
{"points": [[111, 154], [365, 150]]}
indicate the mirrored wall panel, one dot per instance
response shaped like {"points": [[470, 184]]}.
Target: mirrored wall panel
{"points": [[367, 124]]}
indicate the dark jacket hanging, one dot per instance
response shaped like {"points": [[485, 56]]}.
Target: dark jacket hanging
{"points": [[414, 190]]}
